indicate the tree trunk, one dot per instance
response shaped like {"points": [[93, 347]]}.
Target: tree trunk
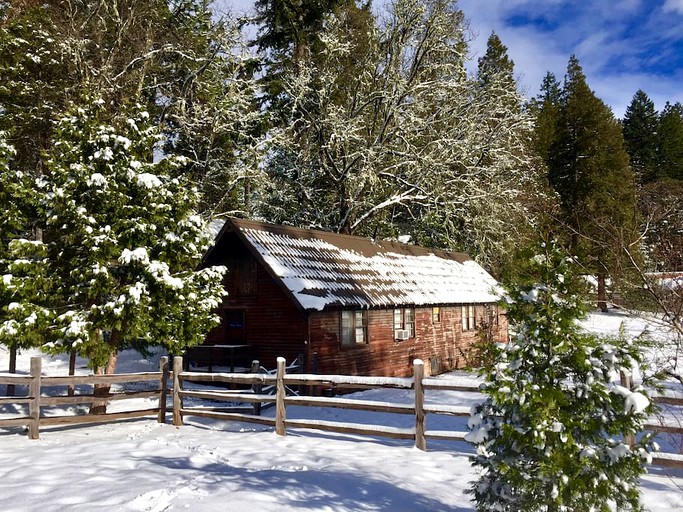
{"points": [[100, 406], [12, 368], [602, 293], [72, 371]]}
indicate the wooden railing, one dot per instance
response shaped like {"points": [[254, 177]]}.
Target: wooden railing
{"points": [[419, 409], [37, 383]]}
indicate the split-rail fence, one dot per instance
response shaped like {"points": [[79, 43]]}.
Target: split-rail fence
{"points": [[280, 381], [283, 381], [36, 400]]}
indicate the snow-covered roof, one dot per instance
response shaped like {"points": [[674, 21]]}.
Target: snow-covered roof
{"points": [[321, 269]]}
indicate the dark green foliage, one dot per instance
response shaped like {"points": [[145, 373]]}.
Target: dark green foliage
{"points": [[671, 142], [589, 169], [21, 318], [546, 109], [288, 35], [35, 83], [121, 241], [640, 128], [496, 62], [550, 433]]}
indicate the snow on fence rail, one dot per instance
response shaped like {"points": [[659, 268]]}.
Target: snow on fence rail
{"points": [[36, 383], [281, 380]]}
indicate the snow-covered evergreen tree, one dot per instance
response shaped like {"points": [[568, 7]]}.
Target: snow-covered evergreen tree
{"points": [[122, 242], [21, 318], [550, 434]]}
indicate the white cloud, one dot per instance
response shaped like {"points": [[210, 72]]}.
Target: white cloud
{"points": [[622, 46], [673, 6]]}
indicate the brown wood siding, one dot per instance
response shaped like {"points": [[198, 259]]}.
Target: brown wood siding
{"points": [[273, 325], [442, 346]]}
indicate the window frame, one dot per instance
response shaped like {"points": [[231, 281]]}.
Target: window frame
{"points": [[436, 315], [359, 324], [468, 315], [493, 314], [404, 322]]}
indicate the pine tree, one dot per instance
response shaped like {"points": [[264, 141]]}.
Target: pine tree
{"points": [[550, 433], [21, 316], [589, 169], [671, 142], [288, 34], [34, 83], [546, 109], [496, 62], [122, 242], [496, 85], [640, 127]]}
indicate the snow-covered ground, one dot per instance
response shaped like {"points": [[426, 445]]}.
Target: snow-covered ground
{"points": [[214, 466]]}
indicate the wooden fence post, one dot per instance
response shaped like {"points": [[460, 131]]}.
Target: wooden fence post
{"points": [[34, 394], [418, 374], [12, 369], [163, 388], [626, 380], [280, 412], [177, 399], [257, 387]]}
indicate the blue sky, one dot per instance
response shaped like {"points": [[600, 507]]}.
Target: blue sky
{"points": [[622, 45]]}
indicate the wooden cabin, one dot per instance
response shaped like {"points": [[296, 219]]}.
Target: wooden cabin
{"points": [[346, 304]]}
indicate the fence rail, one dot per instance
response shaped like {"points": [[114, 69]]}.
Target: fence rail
{"points": [[37, 384], [280, 382], [418, 408]]}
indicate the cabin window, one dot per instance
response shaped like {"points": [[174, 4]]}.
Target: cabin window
{"points": [[240, 279], [436, 315], [354, 328], [404, 323], [492, 314], [233, 325], [469, 321], [245, 276]]}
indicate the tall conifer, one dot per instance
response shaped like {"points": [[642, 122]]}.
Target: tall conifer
{"points": [[640, 127], [546, 109], [671, 141], [589, 169]]}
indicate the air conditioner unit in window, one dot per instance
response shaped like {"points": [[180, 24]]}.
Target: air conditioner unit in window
{"points": [[401, 334]]}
